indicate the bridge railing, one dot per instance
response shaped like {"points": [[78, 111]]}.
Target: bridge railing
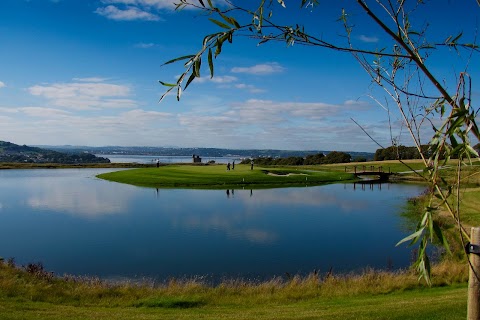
{"points": [[363, 169]]}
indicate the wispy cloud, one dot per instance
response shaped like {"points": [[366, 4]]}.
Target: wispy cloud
{"points": [[229, 82], [129, 13], [277, 124], [159, 4], [143, 45], [2, 84], [128, 10], [260, 69], [90, 79], [43, 112], [368, 39], [250, 88], [217, 79], [85, 95]]}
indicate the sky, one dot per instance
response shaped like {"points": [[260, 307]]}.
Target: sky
{"points": [[86, 72]]}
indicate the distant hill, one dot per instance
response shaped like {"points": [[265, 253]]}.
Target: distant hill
{"points": [[203, 152], [10, 152]]}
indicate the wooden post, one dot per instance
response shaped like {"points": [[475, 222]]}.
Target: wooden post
{"points": [[473, 282]]}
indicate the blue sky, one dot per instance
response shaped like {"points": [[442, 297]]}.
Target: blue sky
{"points": [[85, 72]]}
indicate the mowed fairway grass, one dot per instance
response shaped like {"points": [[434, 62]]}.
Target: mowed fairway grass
{"points": [[217, 177]]}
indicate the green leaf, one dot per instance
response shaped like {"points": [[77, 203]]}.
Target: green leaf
{"points": [[165, 94], [197, 65], [230, 20], [190, 79], [179, 92], [414, 237], [457, 37], [430, 226], [167, 84], [471, 45], [220, 41], [219, 23], [210, 62], [440, 237], [179, 58], [472, 151]]}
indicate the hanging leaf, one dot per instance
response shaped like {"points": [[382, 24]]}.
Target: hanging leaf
{"points": [[230, 20], [190, 79], [167, 84], [179, 92], [441, 237], [414, 237], [219, 23], [179, 58], [165, 94], [196, 69], [210, 62]]}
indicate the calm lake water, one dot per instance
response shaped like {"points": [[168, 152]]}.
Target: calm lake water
{"points": [[75, 223], [118, 158]]}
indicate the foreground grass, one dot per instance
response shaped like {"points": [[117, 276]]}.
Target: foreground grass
{"points": [[216, 176], [372, 295]]}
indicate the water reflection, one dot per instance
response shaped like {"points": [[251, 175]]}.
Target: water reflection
{"points": [[78, 224], [55, 192]]}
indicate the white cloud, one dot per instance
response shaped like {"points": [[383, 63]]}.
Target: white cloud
{"points": [[368, 39], [217, 79], [159, 4], [85, 95], [250, 88], [266, 118], [139, 115], [142, 45], [43, 112], [128, 14], [90, 79], [8, 110], [2, 84], [229, 82], [255, 110], [258, 123], [260, 69]]}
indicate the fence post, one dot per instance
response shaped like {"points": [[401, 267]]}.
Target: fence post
{"points": [[473, 282]]}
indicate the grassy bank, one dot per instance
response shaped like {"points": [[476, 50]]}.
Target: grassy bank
{"points": [[372, 295], [216, 176]]}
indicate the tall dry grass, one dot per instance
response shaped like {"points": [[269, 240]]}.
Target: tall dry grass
{"points": [[17, 282]]}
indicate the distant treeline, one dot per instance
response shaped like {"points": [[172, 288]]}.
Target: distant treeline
{"points": [[320, 158], [404, 153], [400, 153]]}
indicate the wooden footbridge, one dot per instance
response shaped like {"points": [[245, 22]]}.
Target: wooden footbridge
{"points": [[371, 173]]}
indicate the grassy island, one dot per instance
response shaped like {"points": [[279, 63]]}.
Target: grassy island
{"points": [[218, 177]]}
